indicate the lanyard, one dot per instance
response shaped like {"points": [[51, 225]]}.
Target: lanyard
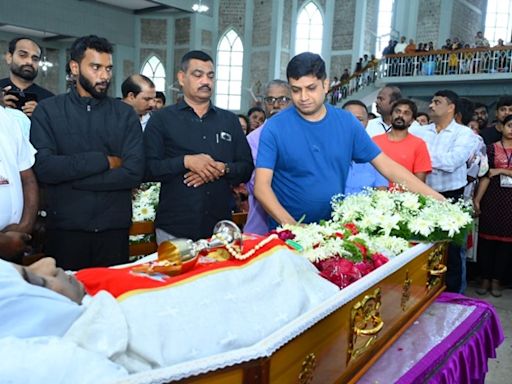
{"points": [[509, 157]]}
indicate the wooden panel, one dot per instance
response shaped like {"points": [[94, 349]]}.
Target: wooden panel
{"points": [[321, 354], [143, 228]]}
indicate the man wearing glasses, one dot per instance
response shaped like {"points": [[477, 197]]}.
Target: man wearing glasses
{"points": [[277, 97]]}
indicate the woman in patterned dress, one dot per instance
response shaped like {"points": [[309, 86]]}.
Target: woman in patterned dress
{"points": [[493, 202]]}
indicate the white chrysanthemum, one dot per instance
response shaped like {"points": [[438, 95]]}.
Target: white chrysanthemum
{"points": [[420, 226]]}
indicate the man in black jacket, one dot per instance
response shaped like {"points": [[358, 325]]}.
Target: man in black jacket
{"points": [[198, 151], [90, 155]]}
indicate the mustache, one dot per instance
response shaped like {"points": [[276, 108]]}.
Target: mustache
{"points": [[399, 119], [206, 87], [27, 66], [104, 83]]}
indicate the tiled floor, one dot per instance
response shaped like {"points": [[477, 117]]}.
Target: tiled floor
{"points": [[500, 369]]}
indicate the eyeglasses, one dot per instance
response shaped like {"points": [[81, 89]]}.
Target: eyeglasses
{"points": [[282, 100]]}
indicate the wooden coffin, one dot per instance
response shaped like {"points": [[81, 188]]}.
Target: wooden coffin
{"points": [[342, 346]]}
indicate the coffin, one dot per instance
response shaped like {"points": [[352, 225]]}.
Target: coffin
{"points": [[337, 341]]}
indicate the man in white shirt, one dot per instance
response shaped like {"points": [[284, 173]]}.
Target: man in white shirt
{"points": [[450, 146], [18, 188]]}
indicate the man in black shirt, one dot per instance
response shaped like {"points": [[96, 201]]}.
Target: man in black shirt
{"points": [[492, 133], [20, 90], [90, 155], [197, 151]]}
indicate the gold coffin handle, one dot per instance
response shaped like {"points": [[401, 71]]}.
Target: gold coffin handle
{"points": [[439, 270], [371, 331]]}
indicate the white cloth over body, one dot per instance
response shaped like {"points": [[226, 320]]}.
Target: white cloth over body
{"points": [[219, 312]]}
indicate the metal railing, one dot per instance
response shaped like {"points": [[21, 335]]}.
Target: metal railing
{"points": [[441, 63], [423, 64]]}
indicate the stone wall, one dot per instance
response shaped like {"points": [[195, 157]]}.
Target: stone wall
{"points": [[232, 14], [372, 14], [262, 23], [466, 21], [343, 24], [428, 22]]}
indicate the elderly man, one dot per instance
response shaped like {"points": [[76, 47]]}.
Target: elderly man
{"points": [[197, 151], [90, 156], [277, 97], [20, 90], [18, 189], [139, 92]]}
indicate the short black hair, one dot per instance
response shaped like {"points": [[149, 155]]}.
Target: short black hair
{"points": [[80, 45], [506, 119], [160, 95], [465, 109], [306, 64], [410, 103], [396, 93], [451, 96], [256, 109], [479, 105], [133, 84], [423, 114], [197, 55], [504, 100], [355, 102], [13, 42]]}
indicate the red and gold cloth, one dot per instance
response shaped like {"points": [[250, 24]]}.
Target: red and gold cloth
{"points": [[120, 281]]}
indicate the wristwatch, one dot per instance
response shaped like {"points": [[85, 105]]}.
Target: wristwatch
{"points": [[226, 168]]}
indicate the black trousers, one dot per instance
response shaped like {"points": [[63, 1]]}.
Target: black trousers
{"points": [[76, 250], [454, 274], [494, 259]]}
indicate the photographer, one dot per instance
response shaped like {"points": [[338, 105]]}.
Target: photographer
{"points": [[19, 89]]}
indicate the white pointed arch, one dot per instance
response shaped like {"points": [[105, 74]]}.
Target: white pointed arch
{"points": [[155, 70], [229, 70], [310, 28]]}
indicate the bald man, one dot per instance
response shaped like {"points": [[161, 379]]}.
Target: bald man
{"points": [[139, 92]]}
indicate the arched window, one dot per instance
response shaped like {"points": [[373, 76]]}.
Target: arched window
{"points": [[384, 25], [154, 69], [230, 59], [498, 21], [310, 27]]}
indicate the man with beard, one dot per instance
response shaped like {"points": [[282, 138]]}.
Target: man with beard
{"points": [[401, 146], [492, 133], [385, 100], [89, 157], [481, 115], [23, 60], [197, 151]]}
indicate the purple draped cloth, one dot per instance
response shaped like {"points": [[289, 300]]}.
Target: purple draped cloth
{"points": [[449, 343]]}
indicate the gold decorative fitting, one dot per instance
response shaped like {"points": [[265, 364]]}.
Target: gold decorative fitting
{"points": [[365, 324], [406, 291], [307, 370], [435, 267]]}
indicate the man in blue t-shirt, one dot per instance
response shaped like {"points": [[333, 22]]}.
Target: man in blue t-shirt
{"points": [[306, 150]]}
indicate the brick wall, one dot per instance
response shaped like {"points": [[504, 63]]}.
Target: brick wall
{"points": [[372, 14]]}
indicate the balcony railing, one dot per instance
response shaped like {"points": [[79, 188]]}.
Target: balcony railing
{"points": [[460, 62], [465, 62]]}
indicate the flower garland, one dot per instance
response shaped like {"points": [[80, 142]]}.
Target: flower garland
{"points": [[405, 215]]}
